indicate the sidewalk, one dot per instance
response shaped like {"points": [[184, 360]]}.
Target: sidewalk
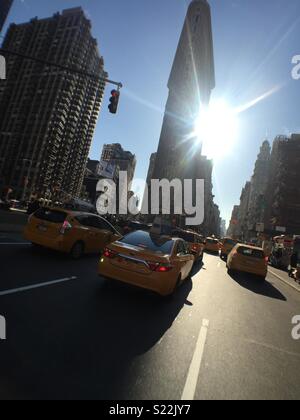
{"points": [[12, 221], [284, 277]]}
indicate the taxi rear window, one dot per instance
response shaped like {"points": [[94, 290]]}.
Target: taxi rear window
{"points": [[229, 242], [249, 252], [149, 242], [211, 241], [53, 216], [186, 236]]}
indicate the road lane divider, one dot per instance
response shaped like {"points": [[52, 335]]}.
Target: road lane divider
{"points": [[36, 286], [194, 370], [289, 283]]}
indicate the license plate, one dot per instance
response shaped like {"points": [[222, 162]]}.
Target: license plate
{"points": [[250, 263], [42, 228]]}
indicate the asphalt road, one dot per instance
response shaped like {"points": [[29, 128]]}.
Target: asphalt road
{"points": [[83, 338]]}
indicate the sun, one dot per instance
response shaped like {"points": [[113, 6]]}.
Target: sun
{"points": [[217, 129]]}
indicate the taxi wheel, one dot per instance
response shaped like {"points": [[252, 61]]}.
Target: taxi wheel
{"points": [[178, 283], [77, 250], [170, 297]]}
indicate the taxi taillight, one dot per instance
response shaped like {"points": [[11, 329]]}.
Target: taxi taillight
{"points": [[108, 253], [159, 268]]}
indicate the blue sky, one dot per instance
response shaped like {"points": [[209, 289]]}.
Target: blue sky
{"points": [[254, 42]]}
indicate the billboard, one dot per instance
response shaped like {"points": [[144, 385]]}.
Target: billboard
{"points": [[107, 169]]}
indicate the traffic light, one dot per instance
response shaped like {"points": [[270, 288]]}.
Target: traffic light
{"points": [[114, 101]]}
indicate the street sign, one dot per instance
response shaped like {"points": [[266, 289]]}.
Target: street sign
{"points": [[260, 227], [280, 229]]}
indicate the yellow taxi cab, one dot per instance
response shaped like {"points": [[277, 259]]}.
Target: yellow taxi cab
{"points": [[75, 233], [227, 244], [248, 259], [149, 261], [194, 240], [212, 245]]}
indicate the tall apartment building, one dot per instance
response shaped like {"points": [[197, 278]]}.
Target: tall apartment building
{"points": [[283, 189], [48, 114], [239, 223], [5, 6], [223, 228], [115, 154], [243, 218], [272, 198], [259, 183], [233, 229], [216, 224], [203, 169]]}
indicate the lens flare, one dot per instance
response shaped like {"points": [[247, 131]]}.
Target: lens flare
{"points": [[217, 129]]}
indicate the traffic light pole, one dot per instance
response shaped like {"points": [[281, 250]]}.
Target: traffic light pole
{"points": [[120, 85], [65, 68]]}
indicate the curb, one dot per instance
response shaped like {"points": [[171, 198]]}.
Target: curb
{"points": [[285, 281]]}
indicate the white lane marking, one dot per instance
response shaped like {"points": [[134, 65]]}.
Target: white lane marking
{"points": [[35, 286], [270, 347], [194, 370], [284, 281], [15, 243]]}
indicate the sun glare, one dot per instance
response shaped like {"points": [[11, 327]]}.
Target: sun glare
{"points": [[217, 128]]}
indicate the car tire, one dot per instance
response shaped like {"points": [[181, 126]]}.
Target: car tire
{"points": [[178, 283], [77, 250]]}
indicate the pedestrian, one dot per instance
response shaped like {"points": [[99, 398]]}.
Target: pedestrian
{"points": [[293, 264]]}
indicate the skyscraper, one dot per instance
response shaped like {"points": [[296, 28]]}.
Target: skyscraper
{"points": [[5, 6], [259, 183], [190, 84], [234, 227], [283, 189], [48, 114]]}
